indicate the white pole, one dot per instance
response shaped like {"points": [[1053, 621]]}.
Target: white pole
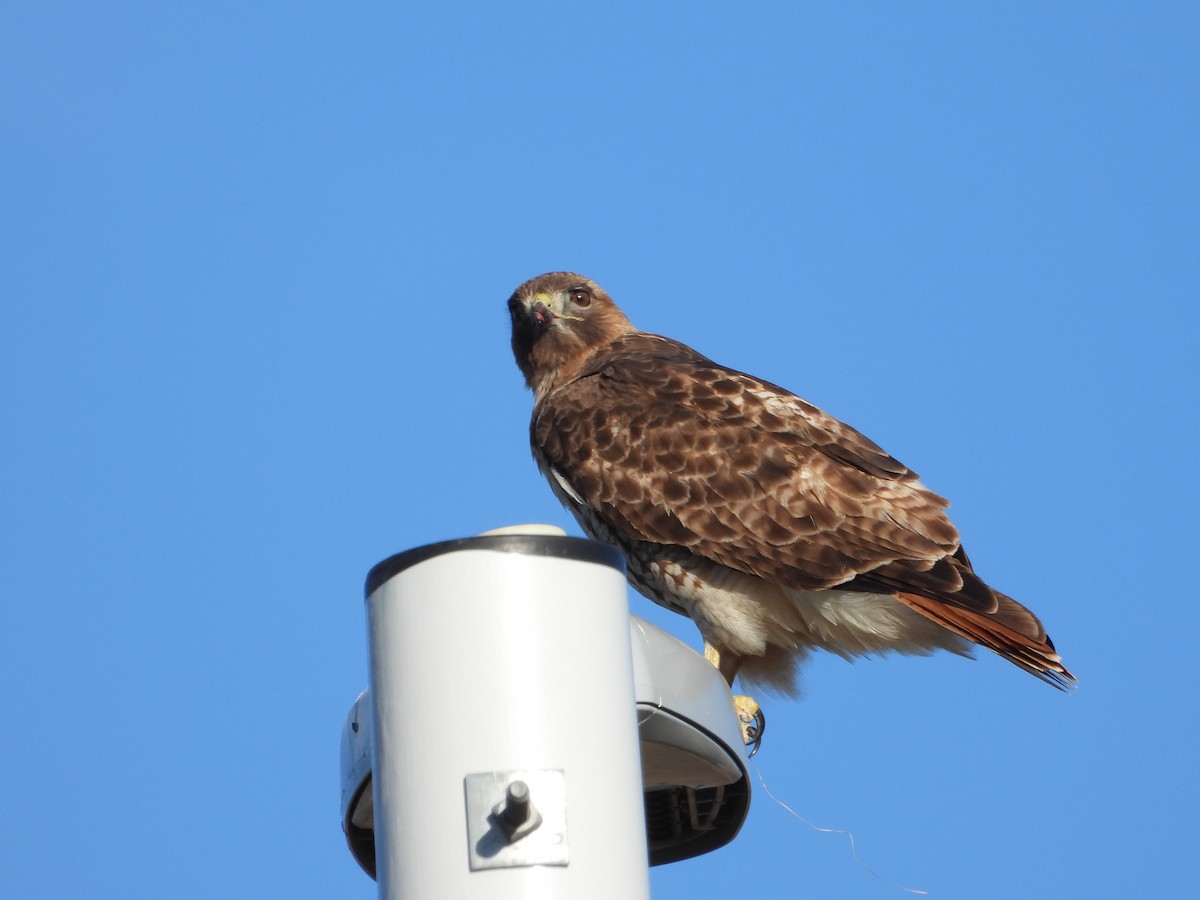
{"points": [[505, 755]]}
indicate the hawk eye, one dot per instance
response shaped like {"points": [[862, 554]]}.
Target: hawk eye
{"points": [[581, 297]]}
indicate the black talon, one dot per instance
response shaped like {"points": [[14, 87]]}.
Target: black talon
{"points": [[754, 732]]}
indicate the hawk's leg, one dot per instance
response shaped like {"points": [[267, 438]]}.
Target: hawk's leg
{"points": [[750, 716]]}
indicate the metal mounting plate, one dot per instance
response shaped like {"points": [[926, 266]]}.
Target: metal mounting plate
{"points": [[487, 845]]}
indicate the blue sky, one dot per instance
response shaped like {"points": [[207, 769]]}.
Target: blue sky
{"points": [[253, 266]]}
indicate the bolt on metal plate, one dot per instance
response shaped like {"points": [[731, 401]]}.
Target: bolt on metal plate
{"points": [[516, 818]]}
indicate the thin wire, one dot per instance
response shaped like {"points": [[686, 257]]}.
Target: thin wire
{"points": [[658, 704], [849, 834]]}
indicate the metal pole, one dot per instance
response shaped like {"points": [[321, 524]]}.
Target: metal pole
{"points": [[505, 756]]}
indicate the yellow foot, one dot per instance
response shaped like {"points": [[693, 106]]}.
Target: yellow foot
{"points": [[753, 722], [751, 719]]}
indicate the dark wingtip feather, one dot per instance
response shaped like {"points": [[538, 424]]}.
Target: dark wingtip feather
{"points": [[1036, 655]]}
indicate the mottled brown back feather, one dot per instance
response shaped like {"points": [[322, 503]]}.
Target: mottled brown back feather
{"points": [[696, 454]]}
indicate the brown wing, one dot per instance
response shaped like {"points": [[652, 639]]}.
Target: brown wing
{"points": [[665, 446], [668, 447]]}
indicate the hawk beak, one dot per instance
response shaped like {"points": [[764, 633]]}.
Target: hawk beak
{"points": [[541, 315], [541, 311]]}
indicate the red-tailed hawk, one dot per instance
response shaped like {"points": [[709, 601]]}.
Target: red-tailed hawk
{"points": [[775, 527]]}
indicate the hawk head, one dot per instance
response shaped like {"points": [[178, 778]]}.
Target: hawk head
{"points": [[558, 321]]}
